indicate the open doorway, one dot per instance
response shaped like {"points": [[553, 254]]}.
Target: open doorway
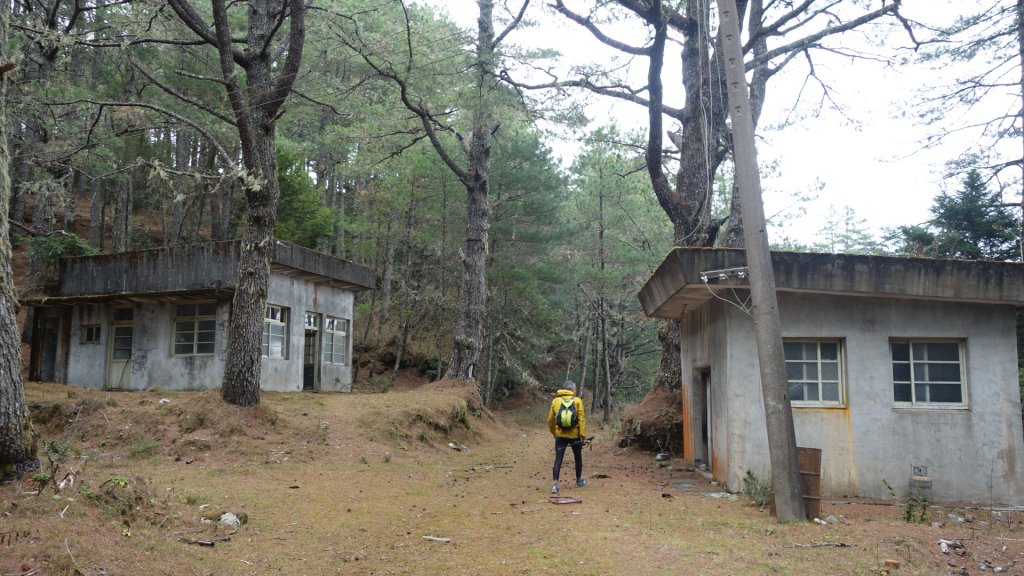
{"points": [[311, 352], [702, 444]]}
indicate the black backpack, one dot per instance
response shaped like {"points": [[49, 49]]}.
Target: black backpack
{"points": [[567, 417]]}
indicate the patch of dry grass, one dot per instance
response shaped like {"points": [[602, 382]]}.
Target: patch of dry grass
{"points": [[351, 484]]}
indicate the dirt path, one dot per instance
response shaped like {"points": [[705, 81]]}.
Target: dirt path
{"points": [[366, 484]]}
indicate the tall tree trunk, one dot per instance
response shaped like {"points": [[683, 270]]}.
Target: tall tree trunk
{"points": [[606, 388], [122, 225], [96, 204], [473, 295], [255, 110], [389, 267], [17, 449]]}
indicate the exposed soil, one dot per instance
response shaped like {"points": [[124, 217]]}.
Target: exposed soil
{"points": [[420, 481]]}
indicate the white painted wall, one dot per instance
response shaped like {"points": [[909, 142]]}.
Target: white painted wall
{"points": [[972, 454]]}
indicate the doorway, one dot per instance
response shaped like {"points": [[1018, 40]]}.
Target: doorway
{"points": [[702, 418], [122, 332], [47, 335], [311, 352]]}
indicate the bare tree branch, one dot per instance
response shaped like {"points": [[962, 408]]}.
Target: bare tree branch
{"points": [[179, 95]]}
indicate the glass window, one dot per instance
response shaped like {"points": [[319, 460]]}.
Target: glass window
{"points": [[336, 340], [275, 332], [90, 334], [814, 372], [928, 373], [195, 328]]}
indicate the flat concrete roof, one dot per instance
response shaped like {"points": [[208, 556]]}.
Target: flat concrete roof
{"points": [[195, 269], [677, 286]]}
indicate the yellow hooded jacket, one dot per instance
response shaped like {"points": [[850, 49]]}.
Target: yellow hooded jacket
{"points": [[577, 432]]}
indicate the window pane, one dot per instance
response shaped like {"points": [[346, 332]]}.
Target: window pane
{"points": [[945, 393], [829, 371], [207, 325], [796, 392], [184, 326], [121, 354], [206, 309], [901, 392], [944, 351], [205, 336], [794, 371], [901, 372], [185, 310], [830, 392], [183, 348], [204, 348], [277, 330], [793, 350], [810, 371], [900, 351], [123, 314], [920, 372], [919, 351], [944, 373], [811, 392], [921, 393], [183, 338], [829, 351], [276, 349]]}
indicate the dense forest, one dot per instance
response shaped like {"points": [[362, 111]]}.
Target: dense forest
{"points": [[386, 134]]}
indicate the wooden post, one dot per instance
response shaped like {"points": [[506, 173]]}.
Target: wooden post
{"points": [[767, 326]]}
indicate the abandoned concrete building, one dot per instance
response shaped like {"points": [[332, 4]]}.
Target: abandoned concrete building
{"points": [[897, 368], [160, 319]]}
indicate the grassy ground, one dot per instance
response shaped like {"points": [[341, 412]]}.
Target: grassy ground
{"points": [[368, 484]]}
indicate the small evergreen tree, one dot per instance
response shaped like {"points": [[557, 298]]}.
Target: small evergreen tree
{"points": [[972, 224]]}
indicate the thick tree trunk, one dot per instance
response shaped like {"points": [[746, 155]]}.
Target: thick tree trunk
{"points": [[473, 297], [241, 384], [17, 450], [255, 114], [472, 300]]}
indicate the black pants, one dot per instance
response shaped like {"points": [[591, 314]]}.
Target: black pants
{"points": [[577, 454]]}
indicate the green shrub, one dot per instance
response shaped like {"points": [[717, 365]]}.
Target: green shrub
{"points": [[759, 490]]}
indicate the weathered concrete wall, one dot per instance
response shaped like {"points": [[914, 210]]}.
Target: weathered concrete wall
{"points": [[87, 362], [971, 454], [302, 296], [154, 365], [703, 336]]}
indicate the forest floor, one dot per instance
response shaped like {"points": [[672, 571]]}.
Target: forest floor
{"points": [[418, 481]]}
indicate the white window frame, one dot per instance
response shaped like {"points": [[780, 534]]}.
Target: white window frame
{"points": [[919, 367], [91, 334], [821, 366], [275, 329], [334, 329], [197, 320]]}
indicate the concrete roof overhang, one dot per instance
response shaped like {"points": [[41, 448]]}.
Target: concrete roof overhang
{"points": [[190, 271], [677, 285]]}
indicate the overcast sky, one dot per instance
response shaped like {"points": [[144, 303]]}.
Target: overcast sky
{"points": [[870, 160]]}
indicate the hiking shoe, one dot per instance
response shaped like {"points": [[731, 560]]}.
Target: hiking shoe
{"points": [[554, 488], [581, 483]]}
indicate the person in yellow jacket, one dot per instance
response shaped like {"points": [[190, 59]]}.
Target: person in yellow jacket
{"points": [[568, 424]]}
